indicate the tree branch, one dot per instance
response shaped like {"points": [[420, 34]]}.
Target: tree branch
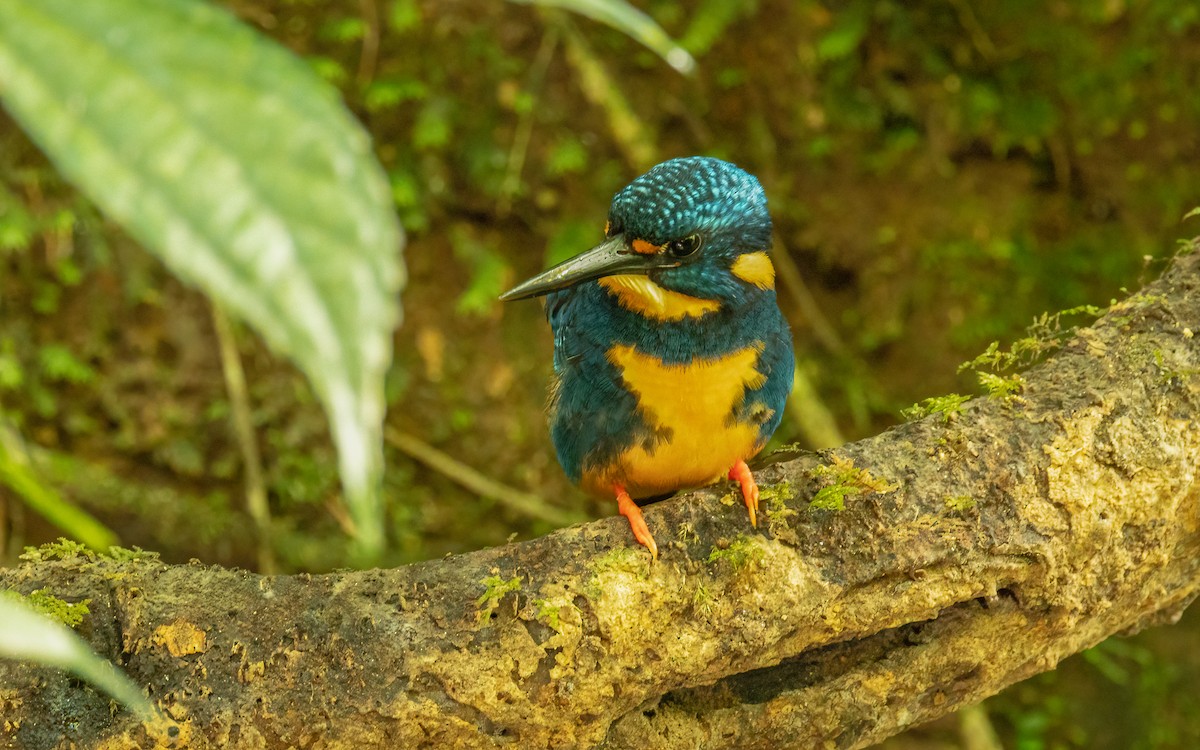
{"points": [[986, 548]]}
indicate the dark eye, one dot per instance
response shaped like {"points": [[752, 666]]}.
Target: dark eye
{"points": [[612, 228], [684, 247]]}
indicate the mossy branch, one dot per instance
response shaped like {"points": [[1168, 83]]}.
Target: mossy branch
{"points": [[976, 552]]}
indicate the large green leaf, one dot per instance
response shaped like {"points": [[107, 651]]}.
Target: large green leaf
{"points": [[226, 156]]}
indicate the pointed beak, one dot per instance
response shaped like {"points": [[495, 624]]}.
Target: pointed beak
{"points": [[610, 257]]}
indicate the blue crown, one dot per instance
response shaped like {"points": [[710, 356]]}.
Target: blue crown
{"points": [[696, 193]]}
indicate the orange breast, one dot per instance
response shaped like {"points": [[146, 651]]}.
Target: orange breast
{"points": [[695, 402]]}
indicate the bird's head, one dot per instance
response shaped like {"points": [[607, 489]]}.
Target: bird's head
{"points": [[695, 226]]}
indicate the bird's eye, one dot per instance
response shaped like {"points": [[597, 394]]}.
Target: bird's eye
{"points": [[684, 247], [612, 228]]}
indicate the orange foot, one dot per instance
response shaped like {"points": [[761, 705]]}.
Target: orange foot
{"points": [[637, 523], [740, 473]]}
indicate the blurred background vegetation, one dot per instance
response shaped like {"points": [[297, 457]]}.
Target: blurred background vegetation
{"points": [[939, 173]]}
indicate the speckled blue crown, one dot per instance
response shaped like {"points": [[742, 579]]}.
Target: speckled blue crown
{"points": [[695, 193]]}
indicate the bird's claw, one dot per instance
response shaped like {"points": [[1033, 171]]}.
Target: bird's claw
{"points": [[740, 473], [637, 523]]}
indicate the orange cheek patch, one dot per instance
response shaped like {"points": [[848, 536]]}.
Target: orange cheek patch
{"points": [[645, 248], [756, 269]]}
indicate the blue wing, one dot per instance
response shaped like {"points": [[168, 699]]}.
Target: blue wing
{"points": [[778, 364], [591, 416], [559, 309]]}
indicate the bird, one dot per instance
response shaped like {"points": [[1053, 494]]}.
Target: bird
{"points": [[672, 359]]}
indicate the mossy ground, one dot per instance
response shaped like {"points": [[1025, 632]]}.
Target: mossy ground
{"points": [[70, 614]]}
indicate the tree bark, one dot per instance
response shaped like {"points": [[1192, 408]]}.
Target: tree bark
{"points": [[979, 550]]}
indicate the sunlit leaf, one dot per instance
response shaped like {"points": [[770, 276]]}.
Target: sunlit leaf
{"points": [[227, 157], [627, 19]]}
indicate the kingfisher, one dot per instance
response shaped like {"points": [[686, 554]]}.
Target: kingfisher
{"points": [[672, 360]]}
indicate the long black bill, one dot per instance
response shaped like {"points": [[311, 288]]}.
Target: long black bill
{"points": [[609, 257]]}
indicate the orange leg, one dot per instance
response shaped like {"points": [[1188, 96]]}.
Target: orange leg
{"points": [[740, 473], [637, 523]]}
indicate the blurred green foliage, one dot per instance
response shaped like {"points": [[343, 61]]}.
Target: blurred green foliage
{"points": [[941, 174]]}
